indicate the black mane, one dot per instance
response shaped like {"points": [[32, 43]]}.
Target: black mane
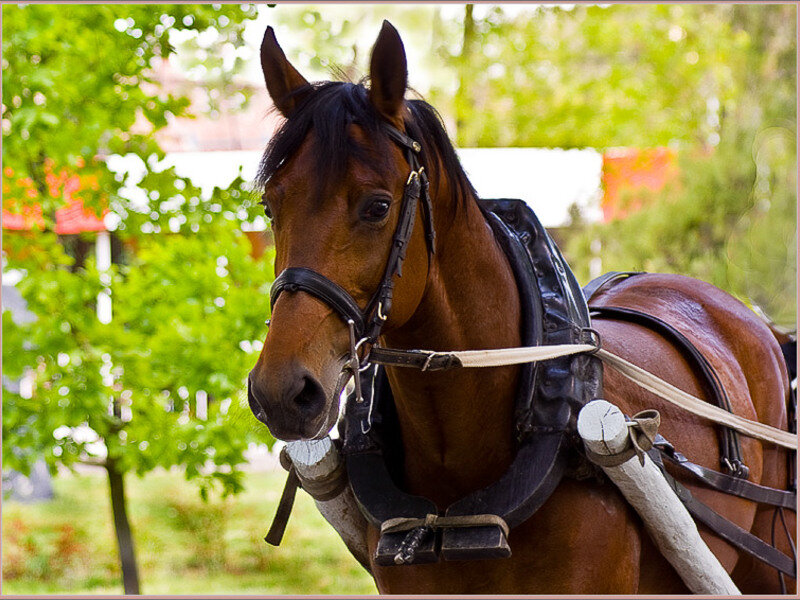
{"points": [[328, 108]]}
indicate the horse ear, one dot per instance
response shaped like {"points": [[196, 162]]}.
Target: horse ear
{"points": [[284, 83], [388, 73]]}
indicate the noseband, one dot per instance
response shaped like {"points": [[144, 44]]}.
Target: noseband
{"points": [[365, 326]]}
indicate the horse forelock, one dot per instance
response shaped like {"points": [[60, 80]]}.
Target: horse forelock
{"points": [[327, 111]]}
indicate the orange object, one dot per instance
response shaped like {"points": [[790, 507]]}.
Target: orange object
{"points": [[75, 218], [628, 170], [22, 212]]}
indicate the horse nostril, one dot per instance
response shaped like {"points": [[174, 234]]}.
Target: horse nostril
{"points": [[311, 397]]}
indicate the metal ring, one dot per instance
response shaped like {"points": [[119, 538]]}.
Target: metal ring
{"points": [[594, 340], [411, 176]]}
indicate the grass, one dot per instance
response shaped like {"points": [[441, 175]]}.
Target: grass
{"points": [[183, 545]]}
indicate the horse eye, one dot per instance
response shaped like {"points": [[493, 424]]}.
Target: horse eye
{"points": [[265, 204], [376, 211]]}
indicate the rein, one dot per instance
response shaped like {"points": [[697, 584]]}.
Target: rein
{"points": [[429, 360]]}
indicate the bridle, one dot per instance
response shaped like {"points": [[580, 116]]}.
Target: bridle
{"points": [[365, 326]]}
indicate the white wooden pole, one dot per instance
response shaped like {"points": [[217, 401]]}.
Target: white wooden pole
{"points": [[315, 460], [103, 259], [602, 427]]}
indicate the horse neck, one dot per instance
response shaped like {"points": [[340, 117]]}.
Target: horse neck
{"points": [[457, 425]]}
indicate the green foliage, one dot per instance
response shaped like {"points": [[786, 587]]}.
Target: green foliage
{"points": [[187, 546], [730, 218], [583, 76], [181, 309], [77, 84], [188, 303], [592, 76]]}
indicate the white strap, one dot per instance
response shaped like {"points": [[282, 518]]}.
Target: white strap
{"points": [[645, 379], [515, 356], [696, 406]]}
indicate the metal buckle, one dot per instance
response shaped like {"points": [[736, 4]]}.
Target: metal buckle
{"points": [[354, 364]]}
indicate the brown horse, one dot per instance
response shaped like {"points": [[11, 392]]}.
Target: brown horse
{"points": [[333, 181]]}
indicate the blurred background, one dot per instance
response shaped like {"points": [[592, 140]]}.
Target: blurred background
{"points": [[136, 263]]}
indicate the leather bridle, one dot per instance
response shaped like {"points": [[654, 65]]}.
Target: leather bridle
{"points": [[366, 325]]}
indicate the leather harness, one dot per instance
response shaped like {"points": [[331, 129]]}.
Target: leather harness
{"points": [[549, 395]]}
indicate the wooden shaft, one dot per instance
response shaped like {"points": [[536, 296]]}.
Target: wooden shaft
{"points": [[602, 427], [315, 460]]}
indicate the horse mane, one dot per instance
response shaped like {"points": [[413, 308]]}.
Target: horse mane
{"points": [[328, 108]]}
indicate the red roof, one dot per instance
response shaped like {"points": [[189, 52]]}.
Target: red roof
{"points": [[22, 212]]}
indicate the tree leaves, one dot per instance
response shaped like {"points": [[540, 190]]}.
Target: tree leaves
{"points": [[77, 87]]}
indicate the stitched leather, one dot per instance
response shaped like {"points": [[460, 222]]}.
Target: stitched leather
{"points": [[725, 483]]}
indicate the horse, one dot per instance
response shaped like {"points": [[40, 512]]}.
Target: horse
{"points": [[333, 180]]}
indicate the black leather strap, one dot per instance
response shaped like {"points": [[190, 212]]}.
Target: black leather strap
{"points": [[595, 285], [281, 518], [402, 139], [302, 279], [725, 483], [419, 359], [727, 530]]}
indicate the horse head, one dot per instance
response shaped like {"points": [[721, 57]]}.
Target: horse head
{"points": [[333, 183]]}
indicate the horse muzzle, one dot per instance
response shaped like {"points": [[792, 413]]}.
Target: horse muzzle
{"points": [[293, 404]]}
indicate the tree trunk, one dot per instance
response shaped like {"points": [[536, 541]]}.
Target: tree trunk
{"points": [[127, 556], [463, 97]]}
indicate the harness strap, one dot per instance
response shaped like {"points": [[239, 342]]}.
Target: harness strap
{"points": [[438, 522], [595, 285], [725, 529], [643, 378], [725, 483], [730, 449], [430, 360], [281, 518], [402, 139]]}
